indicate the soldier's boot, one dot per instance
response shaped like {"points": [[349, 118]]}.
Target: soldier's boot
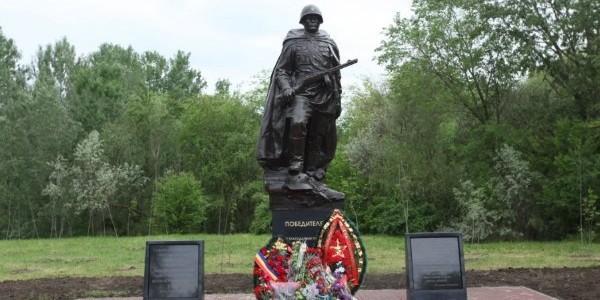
{"points": [[328, 193], [311, 163], [297, 155]]}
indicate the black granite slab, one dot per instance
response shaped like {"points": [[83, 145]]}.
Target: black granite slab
{"points": [[174, 270], [435, 266]]}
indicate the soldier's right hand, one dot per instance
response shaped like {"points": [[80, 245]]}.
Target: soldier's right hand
{"points": [[288, 95]]}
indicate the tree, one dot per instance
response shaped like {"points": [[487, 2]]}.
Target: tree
{"points": [[560, 38], [218, 138], [93, 183], [255, 97], [151, 124], [59, 209], [573, 167], [103, 82], [590, 216], [503, 207], [476, 221], [397, 135], [516, 72], [178, 204], [13, 185], [55, 66], [36, 129], [12, 76], [455, 40], [222, 88], [511, 190], [50, 132], [181, 80], [155, 70]]}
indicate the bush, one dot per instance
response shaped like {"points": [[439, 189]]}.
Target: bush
{"points": [[261, 223], [178, 204], [501, 208]]}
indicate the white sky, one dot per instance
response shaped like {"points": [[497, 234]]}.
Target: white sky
{"points": [[232, 39]]}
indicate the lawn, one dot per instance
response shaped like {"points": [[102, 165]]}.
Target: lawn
{"points": [[124, 256]]}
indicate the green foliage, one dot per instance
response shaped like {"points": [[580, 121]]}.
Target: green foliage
{"points": [[560, 38], [95, 182], [261, 223], [476, 223], [105, 81], [571, 168], [473, 55], [511, 186], [255, 98], [101, 84], [11, 74], [178, 204], [151, 126], [591, 215], [181, 81], [88, 185], [135, 102], [343, 176], [55, 65], [502, 207], [218, 137], [396, 139], [12, 185], [223, 88], [34, 128], [385, 215], [455, 42]]}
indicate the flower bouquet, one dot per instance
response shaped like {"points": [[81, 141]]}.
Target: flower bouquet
{"points": [[331, 271]]}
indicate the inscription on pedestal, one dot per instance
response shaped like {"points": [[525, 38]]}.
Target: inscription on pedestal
{"points": [[435, 266], [174, 270], [299, 225]]}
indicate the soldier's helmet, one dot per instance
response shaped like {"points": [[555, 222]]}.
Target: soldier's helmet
{"points": [[311, 10]]}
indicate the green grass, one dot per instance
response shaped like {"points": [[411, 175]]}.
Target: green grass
{"points": [[110, 256], [531, 255]]}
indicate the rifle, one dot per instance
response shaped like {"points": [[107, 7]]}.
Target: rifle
{"points": [[299, 84]]}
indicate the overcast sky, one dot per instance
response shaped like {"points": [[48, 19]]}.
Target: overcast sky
{"points": [[232, 39]]}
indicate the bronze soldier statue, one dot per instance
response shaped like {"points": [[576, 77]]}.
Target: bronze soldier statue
{"points": [[298, 131]]}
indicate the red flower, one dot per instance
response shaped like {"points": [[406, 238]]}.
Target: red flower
{"points": [[257, 271], [261, 291], [315, 262]]}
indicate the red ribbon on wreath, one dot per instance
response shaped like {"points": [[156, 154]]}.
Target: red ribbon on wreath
{"points": [[339, 247]]}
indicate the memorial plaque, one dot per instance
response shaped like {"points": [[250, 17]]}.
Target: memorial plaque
{"points": [[435, 266], [174, 270], [299, 225]]}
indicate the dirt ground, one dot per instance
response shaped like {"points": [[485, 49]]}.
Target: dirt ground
{"points": [[566, 283]]}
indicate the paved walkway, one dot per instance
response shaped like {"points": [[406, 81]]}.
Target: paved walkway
{"points": [[481, 293]]}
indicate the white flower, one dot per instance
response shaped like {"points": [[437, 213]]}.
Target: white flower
{"points": [[311, 291]]}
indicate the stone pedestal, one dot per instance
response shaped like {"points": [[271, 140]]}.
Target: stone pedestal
{"points": [[300, 225], [297, 215]]}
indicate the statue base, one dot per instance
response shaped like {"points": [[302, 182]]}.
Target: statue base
{"points": [[299, 215], [286, 193]]}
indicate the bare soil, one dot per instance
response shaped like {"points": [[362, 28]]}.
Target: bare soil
{"points": [[565, 283]]}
